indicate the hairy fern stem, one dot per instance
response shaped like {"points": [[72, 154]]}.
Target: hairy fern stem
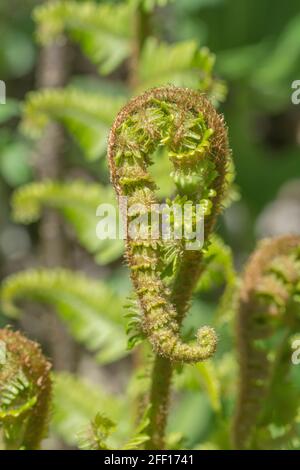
{"points": [[194, 135], [268, 316]]}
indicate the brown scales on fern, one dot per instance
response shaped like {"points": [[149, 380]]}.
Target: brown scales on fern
{"points": [[268, 303], [194, 134]]}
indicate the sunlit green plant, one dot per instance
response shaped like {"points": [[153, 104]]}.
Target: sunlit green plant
{"points": [[169, 126], [195, 137]]}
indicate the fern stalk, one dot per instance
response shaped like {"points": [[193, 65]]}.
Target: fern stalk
{"points": [[196, 140], [53, 72], [141, 26], [268, 315]]}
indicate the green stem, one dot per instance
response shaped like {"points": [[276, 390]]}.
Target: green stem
{"points": [[163, 311], [159, 400], [141, 26], [162, 371]]}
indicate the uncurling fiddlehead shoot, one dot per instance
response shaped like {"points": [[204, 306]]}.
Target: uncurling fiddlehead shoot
{"points": [[269, 313], [187, 125], [25, 392]]}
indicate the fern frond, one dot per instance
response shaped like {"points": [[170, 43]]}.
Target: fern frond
{"points": [[103, 31], [204, 374], [218, 265], [76, 401], [233, 193], [268, 317], [219, 269], [25, 391], [180, 64], [140, 435], [133, 316], [98, 434], [94, 437], [77, 201], [87, 116], [89, 309], [185, 122]]}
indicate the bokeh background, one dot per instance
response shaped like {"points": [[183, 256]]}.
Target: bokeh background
{"points": [[257, 48]]}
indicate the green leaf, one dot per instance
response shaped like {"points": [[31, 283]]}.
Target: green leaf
{"points": [[282, 61], [219, 270], [77, 201], [133, 327], [95, 435], [180, 64], [140, 435], [218, 263], [17, 54], [76, 401], [209, 378], [201, 375], [9, 110], [98, 435], [89, 308], [103, 31], [87, 116], [14, 163]]}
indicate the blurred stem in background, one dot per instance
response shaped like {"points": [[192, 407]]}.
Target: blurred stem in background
{"points": [[159, 396], [142, 30], [258, 60], [53, 70]]}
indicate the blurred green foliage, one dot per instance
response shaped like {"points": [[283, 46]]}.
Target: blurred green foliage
{"points": [[257, 44], [257, 48]]}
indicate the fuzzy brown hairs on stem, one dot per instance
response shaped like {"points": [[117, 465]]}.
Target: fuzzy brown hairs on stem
{"points": [[268, 305], [195, 136]]}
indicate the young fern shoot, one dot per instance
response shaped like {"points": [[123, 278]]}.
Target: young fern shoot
{"points": [[25, 392], [268, 316], [194, 135]]}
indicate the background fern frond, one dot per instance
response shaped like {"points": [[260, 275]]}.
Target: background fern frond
{"points": [[205, 375], [103, 31], [219, 270], [77, 201], [76, 401], [268, 319], [95, 435], [89, 308], [134, 322], [180, 64], [98, 435], [140, 435], [87, 116]]}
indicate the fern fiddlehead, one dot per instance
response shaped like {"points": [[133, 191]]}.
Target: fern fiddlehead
{"points": [[269, 313], [195, 136], [25, 391]]}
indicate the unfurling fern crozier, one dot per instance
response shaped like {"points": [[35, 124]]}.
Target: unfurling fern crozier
{"points": [[268, 316], [186, 124]]}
